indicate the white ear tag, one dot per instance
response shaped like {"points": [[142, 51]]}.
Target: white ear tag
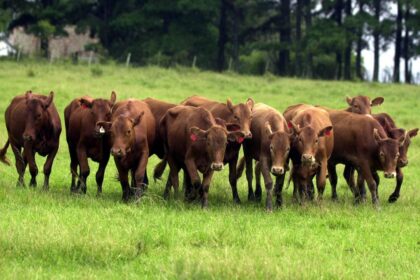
{"points": [[102, 130]]}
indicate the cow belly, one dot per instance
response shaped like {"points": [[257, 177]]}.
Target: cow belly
{"points": [[95, 153]]}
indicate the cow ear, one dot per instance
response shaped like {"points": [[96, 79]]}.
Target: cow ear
{"points": [[137, 119], [349, 100], [106, 126], [326, 131], [28, 95], [85, 103], [49, 100], [293, 127], [197, 133], [377, 101], [220, 122], [307, 119], [376, 135], [229, 104], [236, 136], [250, 103], [268, 131], [113, 97], [413, 133]]}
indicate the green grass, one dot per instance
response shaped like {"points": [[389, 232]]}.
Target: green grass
{"points": [[58, 235]]}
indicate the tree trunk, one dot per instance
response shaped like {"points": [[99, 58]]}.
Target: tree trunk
{"points": [[347, 52], [338, 9], [44, 46], [298, 67], [308, 25], [376, 38], [360, 44], [222, 37], [285, 38], [398, 39], [235, 38], [407, 70]]}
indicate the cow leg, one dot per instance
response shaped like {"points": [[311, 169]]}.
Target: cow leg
{"points": [[195, 178], [248, 171], [368, 177], [321, 178], [278, 189], [258, 191], [187, 185], [84, 167], [232, 179], [332, 173], [123, 178], [349, 176], [30, 157], [20, 165], [140, 174], [73, 169], [48, 166], [268, 184], [396, 194], [100, 173], [172, 178], [206, 185], [377, 181]]}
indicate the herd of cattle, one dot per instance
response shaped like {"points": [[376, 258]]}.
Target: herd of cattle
{"points": [[202, 135]]}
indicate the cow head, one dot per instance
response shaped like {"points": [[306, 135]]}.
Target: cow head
{"points": [[215, 139], [362, 104], [388, 153], [101, 111], [123, 135], [36, 115], [240, 117], [397, 133], [306, 140], [279, 149]]}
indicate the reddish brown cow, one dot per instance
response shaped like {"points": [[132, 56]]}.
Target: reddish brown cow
{"points": [[158, 109], [362, 104], [312, 146], [194, 142], [132, 136], [237, 117], [270, 146], [32, 123], [86, 139], [361, 142]]}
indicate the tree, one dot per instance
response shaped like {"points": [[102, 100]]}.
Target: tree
{"points": [[338, 15], [349, 40], [285, 38], [298, 39], [361, 19], [376, 38], [398, 42]]}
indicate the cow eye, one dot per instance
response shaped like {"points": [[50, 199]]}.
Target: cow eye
{"points": [[271, 148], [316, 141], [128, 132], [381, 154], [300, 139], [38, 116], [236, 118]]}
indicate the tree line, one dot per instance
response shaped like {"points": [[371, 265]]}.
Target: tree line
{"points": [[301, 38]]}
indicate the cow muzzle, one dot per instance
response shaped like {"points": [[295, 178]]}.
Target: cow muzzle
{"points": [[117, 152], [390, 175], [276, 170], [308, 159], [27, 138], [248, 134], [216, 166]]}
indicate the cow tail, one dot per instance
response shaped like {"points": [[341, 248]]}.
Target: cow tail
{"points": [[240, 168], [3, 151], [159, 169]]}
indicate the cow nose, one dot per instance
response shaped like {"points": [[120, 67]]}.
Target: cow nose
{"points": [[248, 135], [390, 175], [307, 158], [116, 152], [216, 166], [277, 170], [27, 137]]}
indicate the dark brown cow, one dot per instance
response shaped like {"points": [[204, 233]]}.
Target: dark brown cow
{"points": [[237, 117], [158, 109], [86, 139], [33, 123], [395, 133], [132, 136], [270, 146], [194, 142], [361, 142], [312, 146], [362, 104]]}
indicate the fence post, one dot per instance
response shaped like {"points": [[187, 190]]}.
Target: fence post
{"points": [[18, 55], [194, 61], [230, 64], [90, 57], [127, 62]]}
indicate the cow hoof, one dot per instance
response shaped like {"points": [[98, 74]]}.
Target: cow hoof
{"points": [[393, 198], [251, 197], [237, 200], [46, 188]]}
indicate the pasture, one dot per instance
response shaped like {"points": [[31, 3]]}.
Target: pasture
{"points": [[56, 234]]}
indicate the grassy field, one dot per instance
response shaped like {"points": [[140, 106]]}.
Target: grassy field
{"points": [[58, 235]]}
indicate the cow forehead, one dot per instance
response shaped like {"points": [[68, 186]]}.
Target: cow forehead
{"points": [[242, 110], [390, 145], [361, 100], [101, 104], [308, 132], [280, 139]]}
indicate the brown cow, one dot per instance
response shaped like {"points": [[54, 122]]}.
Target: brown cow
{"points": [[395, 133], [195, 141], [33, 123], [132, 136], [270, 146], [361, 142], [237, 117], [362, 104], [312, 146], [86, 139], [158, 109]]}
